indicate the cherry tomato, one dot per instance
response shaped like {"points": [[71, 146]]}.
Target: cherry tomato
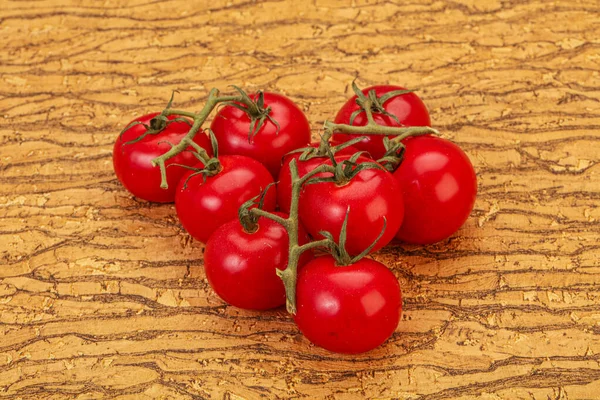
{"points": [[132, 165], [371, 195], [347, 309], [204, 205], [240, 266], [439, 188], [284, 183], [231, 128], [408, 108]]}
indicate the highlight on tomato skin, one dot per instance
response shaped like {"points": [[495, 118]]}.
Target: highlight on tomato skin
{"points": [[347, 309], [204, 204], [132, 161], [439, 187], [241, 266], [270, 143]]}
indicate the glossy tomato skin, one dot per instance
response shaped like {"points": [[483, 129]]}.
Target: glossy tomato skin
{"points": [[347, 309], [439, 188], [408, 108], [268, 146], [371, 195], [284, 182], [241, 266], [132, 161], [202, 207]]}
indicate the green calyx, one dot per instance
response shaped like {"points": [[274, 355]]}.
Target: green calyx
{"points": [[338, 249], [212, 165], [395, 149], [374, 103], [157, 124], [211, 168], [394, 154], [256, 111], [344, 171]]}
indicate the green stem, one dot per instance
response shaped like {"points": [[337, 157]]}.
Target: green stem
{"points": [[324, 143], [289, 275], [262, 213], [315, 244], [367, 107], [376, 129], [201, 151], [171, 111]]}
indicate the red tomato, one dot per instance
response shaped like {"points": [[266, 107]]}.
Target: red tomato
{"points": [[371, 195], [284, 183], [231, 128], [240, 266], [439, 188], [408, 108], [132, 161], [347, 309], [203, 206]]}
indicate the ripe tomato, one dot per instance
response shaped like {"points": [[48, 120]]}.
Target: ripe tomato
{"points": [[240, 266], [284, 183], [371, 195], [231, 127], [132, 165], [439, 188], [347, 309], [408, 108], [204, 205]]}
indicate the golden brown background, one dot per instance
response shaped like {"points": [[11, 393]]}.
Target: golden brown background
{"points": [[102, 295]]}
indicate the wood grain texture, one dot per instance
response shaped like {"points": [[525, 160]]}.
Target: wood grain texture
{"points": [[104, 296]]}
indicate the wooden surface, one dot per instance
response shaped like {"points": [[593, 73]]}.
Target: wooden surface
{"points": [[104, 296]]}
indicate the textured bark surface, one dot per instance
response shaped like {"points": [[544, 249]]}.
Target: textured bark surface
{"points": [[102, 295]]}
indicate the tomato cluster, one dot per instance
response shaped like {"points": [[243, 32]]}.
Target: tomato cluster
{"points": [[263, 198]]}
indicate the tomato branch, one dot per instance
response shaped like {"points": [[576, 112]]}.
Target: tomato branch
{"points": [[373, 128], [199, 118], [376, 129]]}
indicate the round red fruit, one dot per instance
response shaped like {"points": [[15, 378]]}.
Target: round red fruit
{"points": [[372, 195], [439, 189], [268, 144], [132, 161], [241, 266], [204, 204], [347, 309]]}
